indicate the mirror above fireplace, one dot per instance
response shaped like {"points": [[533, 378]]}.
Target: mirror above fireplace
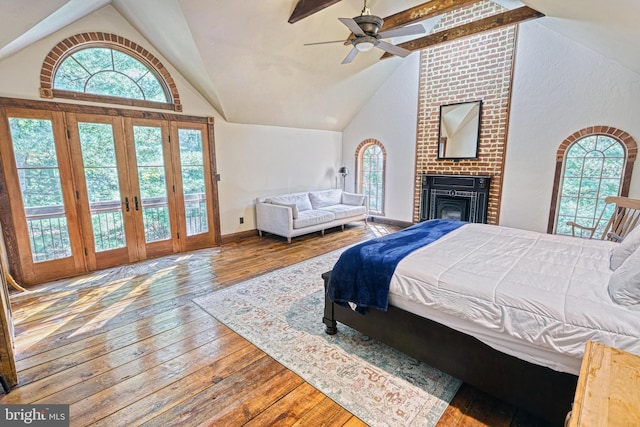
{"points": [[459, 130]]}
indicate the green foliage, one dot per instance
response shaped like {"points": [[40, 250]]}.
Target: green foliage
{"points": [[372, 176], [40, 183], [109, 72], [592, 171], [156, 224], [49, 238], [34, 150], [108, 230], [110, 83]]}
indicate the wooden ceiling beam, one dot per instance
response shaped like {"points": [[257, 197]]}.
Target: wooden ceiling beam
{"points": [[504, 19], [306, 8], [423, 11], [418, 13]]}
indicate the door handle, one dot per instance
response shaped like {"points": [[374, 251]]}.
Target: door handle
{"points": [[126, 204], [135, 200]]}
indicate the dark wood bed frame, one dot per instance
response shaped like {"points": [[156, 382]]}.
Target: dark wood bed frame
{"points": [[537, 389]]}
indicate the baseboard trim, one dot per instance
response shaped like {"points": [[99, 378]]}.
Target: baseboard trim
{"points": [[236, 237], [390, 221]]}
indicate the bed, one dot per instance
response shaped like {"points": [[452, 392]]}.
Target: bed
{"points": [[507, 311]]}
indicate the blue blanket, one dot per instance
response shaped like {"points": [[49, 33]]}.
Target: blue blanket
{"points": [[363, 272]]}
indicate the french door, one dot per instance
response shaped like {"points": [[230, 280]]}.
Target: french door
{"points": [[91, 191]]}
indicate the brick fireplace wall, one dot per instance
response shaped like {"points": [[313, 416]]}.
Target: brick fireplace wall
{"points": [[469, 69]]}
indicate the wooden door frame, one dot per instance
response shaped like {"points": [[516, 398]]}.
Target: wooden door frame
{"points": [[7, 216], [30, 271], [188, 243], [116, 256], [7, 353], [162, 247]]}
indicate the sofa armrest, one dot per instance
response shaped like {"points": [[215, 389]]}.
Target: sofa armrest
{"points": [[276, 219]]}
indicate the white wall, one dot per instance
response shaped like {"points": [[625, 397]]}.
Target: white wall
{"points": [[559, 88], [258, 161], [252, 160], [390, 117], [21, 71]]}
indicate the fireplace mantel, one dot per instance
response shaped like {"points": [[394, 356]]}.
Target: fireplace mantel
{"points": [[463, 197]]}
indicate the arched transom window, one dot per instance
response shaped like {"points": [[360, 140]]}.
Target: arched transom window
{"points": [[371, 157], [594, 166], [107, 71], [102, 67]]}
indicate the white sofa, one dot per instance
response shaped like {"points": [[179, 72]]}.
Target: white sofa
{"points": [[294, 214]]}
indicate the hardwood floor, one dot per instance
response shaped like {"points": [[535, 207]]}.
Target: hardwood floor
{"points": [[128, 347]]}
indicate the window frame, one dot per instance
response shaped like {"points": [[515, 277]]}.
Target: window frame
{"points": [[23, 269], [628, 143], [71, 45], [360, 151]]}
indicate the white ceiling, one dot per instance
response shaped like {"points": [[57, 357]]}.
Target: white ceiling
{"points": [[252, 65]]}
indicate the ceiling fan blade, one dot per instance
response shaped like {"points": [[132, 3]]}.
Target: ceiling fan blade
{"points": [[403, 31], [393, 49], [350, 56], [333, 41], [353, 26]]}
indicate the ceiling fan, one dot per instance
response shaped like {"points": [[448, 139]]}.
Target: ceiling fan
{"points": [[365, 29]]}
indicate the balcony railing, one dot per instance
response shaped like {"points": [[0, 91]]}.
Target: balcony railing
{"points": [[49, 236]]}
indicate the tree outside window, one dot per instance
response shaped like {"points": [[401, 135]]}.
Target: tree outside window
{"points": [[371, 159], [593, 169], [109, 72]]}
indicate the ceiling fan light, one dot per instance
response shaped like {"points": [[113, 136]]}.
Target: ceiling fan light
{"points": [[364, 46]]}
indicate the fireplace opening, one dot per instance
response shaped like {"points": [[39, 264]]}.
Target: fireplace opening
{"points": [[458, 197], [452, 208]]}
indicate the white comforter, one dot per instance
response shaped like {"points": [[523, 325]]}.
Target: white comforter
{"points": [[535, 296]]}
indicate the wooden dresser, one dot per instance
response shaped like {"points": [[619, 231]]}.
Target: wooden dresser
{"points": [[608, 391]]}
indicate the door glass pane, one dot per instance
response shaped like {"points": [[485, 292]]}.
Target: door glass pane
{"points": [[39, 176], [103, 188], [192, 163], [153, 188]]}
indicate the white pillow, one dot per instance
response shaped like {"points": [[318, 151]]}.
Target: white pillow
{"points": [[352, 199], [323, 198], [624, 283], [624, 249], [301, 200], [294, 208]]}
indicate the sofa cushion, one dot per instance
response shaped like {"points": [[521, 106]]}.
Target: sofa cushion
{"points": [[312, 217], [352, 199], [301, 200], [345, 211], [320, 199]]}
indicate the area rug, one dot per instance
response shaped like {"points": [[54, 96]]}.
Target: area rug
{"points": [[281, 313]]}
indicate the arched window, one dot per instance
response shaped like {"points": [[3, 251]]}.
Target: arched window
{"points": [[107, 68], [594, 165], [109, 72], [371, 157]]}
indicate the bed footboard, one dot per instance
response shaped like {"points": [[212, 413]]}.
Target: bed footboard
{"points": [[537, 389]]}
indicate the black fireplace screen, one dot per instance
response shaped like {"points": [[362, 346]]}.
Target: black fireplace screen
{"points": [[460, 197], [452, 208]]}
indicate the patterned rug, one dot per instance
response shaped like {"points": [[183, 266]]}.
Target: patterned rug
{"points": [[281, 313]]}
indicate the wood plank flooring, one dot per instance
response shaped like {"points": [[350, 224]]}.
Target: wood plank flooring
{"points": [[128, 347]]}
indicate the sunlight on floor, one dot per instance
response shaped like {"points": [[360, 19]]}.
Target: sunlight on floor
{"points": [[379, 229]]}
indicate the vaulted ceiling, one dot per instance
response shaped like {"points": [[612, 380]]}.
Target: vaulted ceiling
{"points": [[251, 64]]}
